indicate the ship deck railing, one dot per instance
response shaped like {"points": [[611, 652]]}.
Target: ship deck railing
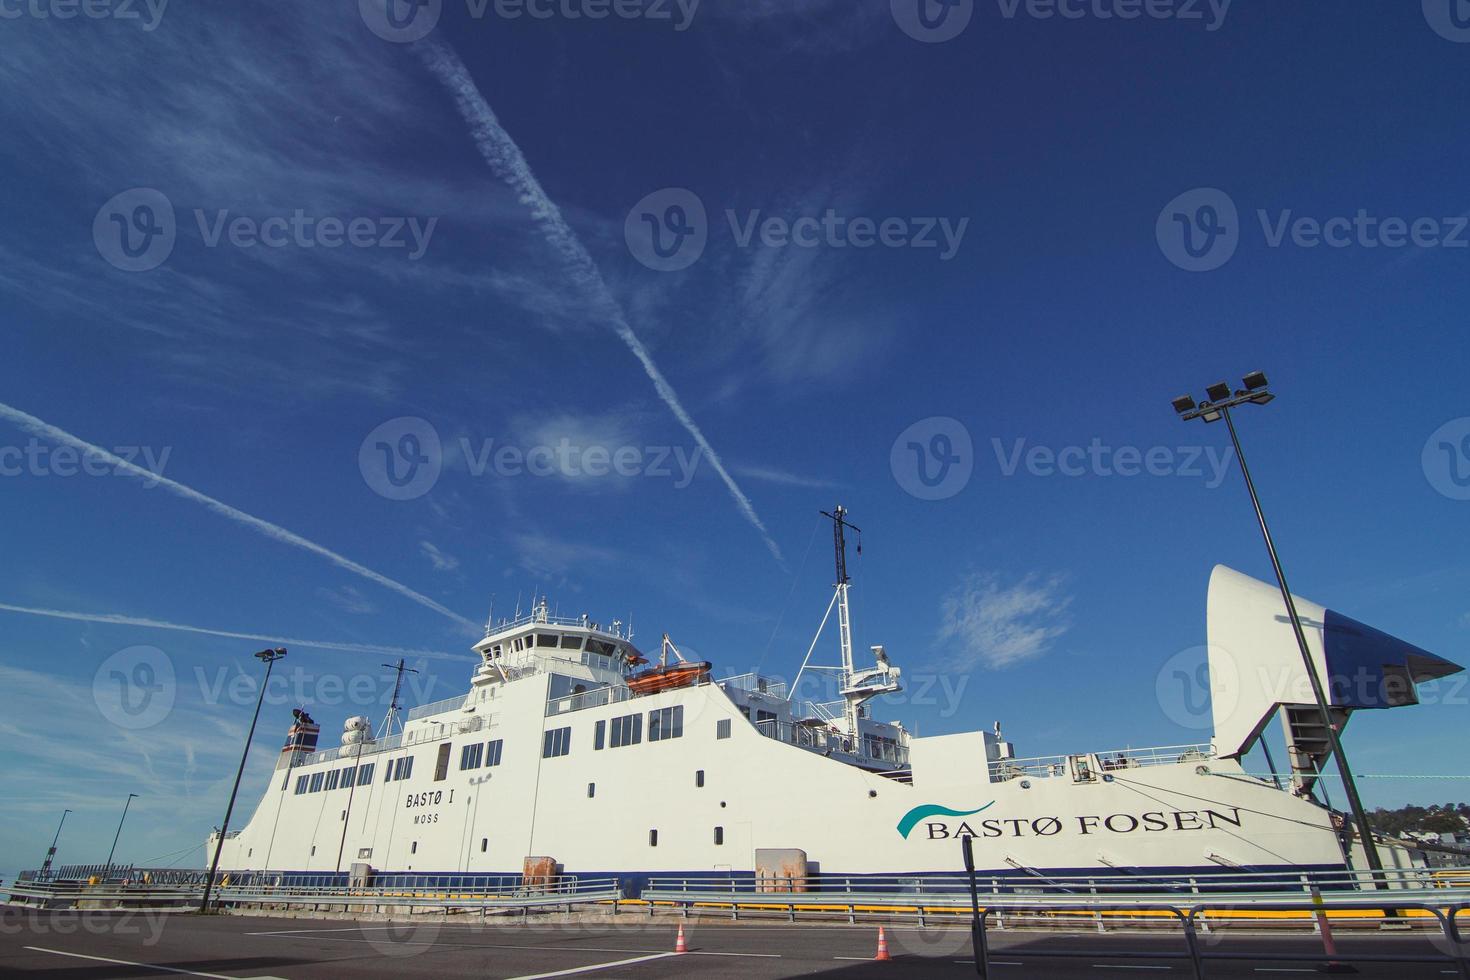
{"points": [[825, 741], [437, 707], [1046, 766], [595, 698], [756, 684], [545, 619], [352, 752]]}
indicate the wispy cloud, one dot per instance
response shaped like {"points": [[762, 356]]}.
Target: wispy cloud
{"points": [[547, 557], [509, 163], [116, 619], [988, 623], [770, 474], [348, 599], [441, 561], [45, 430]]}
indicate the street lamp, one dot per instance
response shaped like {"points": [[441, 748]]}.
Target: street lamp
{"points": [[126, 804], [269, 657], [1256, 391], [46, 864]]}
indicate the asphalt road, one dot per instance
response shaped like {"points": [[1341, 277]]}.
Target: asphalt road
{"points": [[98, 945]]}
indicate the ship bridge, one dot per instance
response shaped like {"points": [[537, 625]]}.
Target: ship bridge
{"points": [[540, 642]]}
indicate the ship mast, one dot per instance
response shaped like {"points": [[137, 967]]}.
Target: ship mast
{"points": [[393, 706], [844, 612]]}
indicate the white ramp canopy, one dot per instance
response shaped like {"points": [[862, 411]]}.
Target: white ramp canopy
{"points": [[1256, 667]]}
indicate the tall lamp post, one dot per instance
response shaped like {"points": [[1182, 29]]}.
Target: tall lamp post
{"points": [[127, 803], [1220, 400], [269, 657], [46, 864]]}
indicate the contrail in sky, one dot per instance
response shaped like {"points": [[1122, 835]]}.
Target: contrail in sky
{"points": [[510, 165], [46, 430], [114, 619]]}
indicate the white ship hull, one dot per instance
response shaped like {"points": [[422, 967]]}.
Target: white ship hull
{"points": [[564, 750], [593, 811]]}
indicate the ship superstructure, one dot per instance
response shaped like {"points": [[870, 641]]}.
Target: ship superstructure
{"points": [[571, 749]]}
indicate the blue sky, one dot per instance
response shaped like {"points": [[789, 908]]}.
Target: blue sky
{"points": [[500, 171]]}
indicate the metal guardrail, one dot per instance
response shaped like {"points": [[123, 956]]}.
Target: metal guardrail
{"points": [[412, 891], [921, 896], [1457, 954]]}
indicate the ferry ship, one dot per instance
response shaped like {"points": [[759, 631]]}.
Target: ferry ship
{"points": [[573, 753]]}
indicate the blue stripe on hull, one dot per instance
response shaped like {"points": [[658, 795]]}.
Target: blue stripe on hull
{"points": [[998, 879]]}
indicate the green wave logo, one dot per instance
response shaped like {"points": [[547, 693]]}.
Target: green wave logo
{"points": [[913, 817]]}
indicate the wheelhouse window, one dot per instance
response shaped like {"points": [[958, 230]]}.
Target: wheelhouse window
{"points": [[333, 778], [316, 781], [558, 742], [492, 752], [666, 723], [365, 773], [301, 784], [441, 765], [472, 755]]}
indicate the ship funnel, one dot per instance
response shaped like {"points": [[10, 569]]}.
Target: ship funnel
{"points": [[1256, 666]]}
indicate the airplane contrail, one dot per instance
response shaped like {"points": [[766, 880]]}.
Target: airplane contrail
{"points": [[115, 619], [509, 164], [46, 430]]}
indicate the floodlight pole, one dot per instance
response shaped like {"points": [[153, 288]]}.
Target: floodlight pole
{"points": [[1360, 816], [51, 854], [126, 803], [270, 657]]}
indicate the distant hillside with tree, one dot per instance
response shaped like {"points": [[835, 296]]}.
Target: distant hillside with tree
{"points": [[1449, 818]]}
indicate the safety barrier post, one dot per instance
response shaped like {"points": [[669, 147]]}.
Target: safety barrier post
{"points": [[1329, 946], [977, 918], [1191, 939], [1450, 923], [1204, 925]]}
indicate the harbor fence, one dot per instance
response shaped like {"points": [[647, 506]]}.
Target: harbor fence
{"points": [[1448, 945], [329, 892], [1234, 895]]}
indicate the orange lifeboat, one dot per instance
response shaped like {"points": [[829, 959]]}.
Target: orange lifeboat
{"points": [[666, 676]]}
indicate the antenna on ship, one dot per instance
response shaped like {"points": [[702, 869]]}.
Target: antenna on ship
{"points": [[856, 687], [393, 706], [844, 615]]}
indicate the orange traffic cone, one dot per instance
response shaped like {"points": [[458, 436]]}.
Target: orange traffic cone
{"points": [[882, 945], [679, 945]]}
